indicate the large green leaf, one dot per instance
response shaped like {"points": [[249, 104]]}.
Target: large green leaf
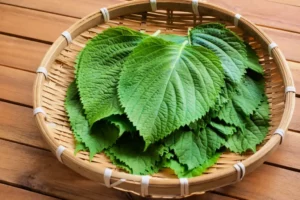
{"points": [[252, 61], [98, 70], [248, 95], [222, 128], [102, 135], [164, 86], [230, 115], [122, 122], [116, 161], [256, 128], [226, 45], [194, 148], [129, 150], [246, 98], [74, 110], [182, 172]]}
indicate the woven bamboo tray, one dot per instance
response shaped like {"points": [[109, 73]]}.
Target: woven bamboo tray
{"points": [[169, 16]]}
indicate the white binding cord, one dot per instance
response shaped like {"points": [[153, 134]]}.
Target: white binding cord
{"points": [[107, 177], [184, 187], [195, 7], [237, 17], [105, 14], [42, 70], [39, 110], [271, 47], [290, 89], [68, 36], [153, 5], [145, 185], [241, 171], [280, 132], [59, 152]]}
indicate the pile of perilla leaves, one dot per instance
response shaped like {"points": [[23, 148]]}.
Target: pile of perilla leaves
{"points": [[165, 101]]}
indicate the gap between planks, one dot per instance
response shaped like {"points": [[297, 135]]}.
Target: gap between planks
{"points": [[267, 12], [9, 192], [29, 21]]}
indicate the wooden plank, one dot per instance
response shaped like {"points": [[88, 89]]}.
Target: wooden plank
{"points": [[205, 196], [287, 42], [266, 182], [20, 53], [288, 152], [287, 2], [38, 169], [265, 13], [16, 85], [33, 24], [24, 131], [17, 124], [66, 7], [48, 27], [295, 68], [295, 123], [9, 193]]}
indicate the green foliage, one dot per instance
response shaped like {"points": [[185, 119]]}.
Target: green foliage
{"points": [[164, 86], [193, 148], [167, 101], [226, 45], [256, 129], [100, 64]]}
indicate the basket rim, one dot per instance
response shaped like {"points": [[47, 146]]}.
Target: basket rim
{"points": [[225, 176]]}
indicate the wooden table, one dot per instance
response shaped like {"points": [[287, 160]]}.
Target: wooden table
{"points": [[28, 170]]}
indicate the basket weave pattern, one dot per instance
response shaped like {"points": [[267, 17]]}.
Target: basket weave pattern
{"points": [[61, 74]]}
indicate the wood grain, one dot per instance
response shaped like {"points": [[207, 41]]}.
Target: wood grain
{"points": [[47, 27], [287, 152], [20, 53], [39, 170], [66, 7], [295, 123], [16, 85], [12, 193], [27, 55], [265, 13], [42, 172], [17, 124], [287, 2], [33, 24], [288, 42], [267, 182], [295, 68], [206, 196]]}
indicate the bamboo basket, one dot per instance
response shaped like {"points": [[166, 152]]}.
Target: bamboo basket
{"points": [[169, 16]]}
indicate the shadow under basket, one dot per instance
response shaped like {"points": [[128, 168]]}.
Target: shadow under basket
{"points": [[175, 17]]}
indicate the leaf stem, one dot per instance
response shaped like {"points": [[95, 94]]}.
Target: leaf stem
{"points": [[189, 36], [156, 33]]}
